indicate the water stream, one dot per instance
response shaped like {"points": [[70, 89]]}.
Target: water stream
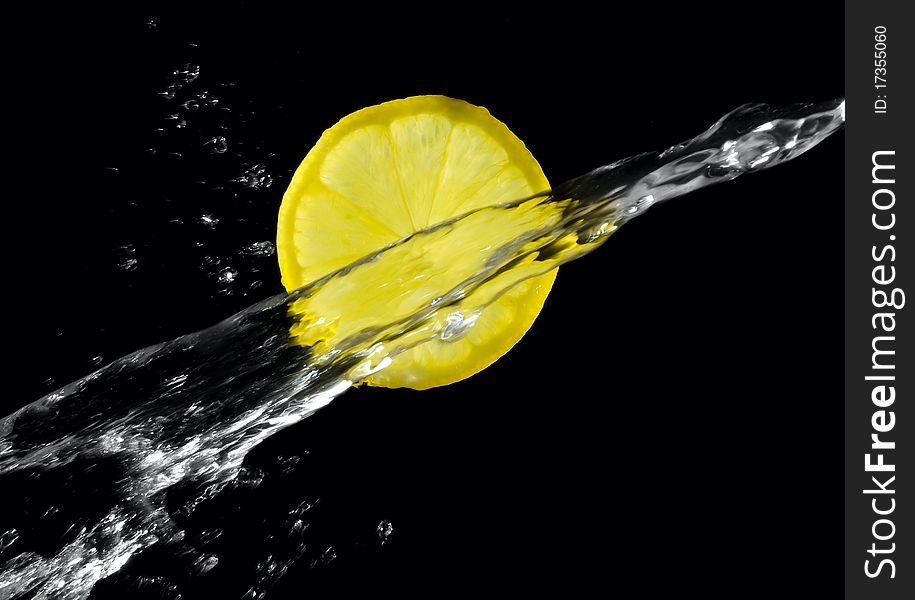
{"points": [[160, 432]]}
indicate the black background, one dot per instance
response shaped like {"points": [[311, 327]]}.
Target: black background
{"points": [[673, 417]]}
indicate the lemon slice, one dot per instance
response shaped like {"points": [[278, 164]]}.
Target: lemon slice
{"points": [[385, 172]]}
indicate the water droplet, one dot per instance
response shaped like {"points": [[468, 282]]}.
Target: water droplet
{"points": [[255, 177], [227, 275], [384, 530], [206, 563], [8, 538], [218, 144], [128, 264], [209, 220], [258, 249], [328, 555], [208, 536], [180, 123], [302, 508], [96, 360], [186, 74], [287, 464], [190, 105], [298, 527], [207, 99], [151, 24]]}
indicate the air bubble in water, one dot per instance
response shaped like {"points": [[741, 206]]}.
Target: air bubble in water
{"points": [[456, 326], [180, 123]]}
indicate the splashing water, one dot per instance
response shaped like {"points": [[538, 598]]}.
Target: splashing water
{"points": [[159, 433]]}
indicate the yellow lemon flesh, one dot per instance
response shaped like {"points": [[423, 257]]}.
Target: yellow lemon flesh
{"points": [[385, 172]]}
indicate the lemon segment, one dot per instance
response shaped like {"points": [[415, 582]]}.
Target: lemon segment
{"points": [[381, 174]]}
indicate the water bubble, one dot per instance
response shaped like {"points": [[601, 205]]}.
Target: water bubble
{"points": [[456, 326], [255, 177], [151, 24], [208, 220], [218, 144], [329, 555], [190, 105], [258, 249], [384, 530], [96, 360]]}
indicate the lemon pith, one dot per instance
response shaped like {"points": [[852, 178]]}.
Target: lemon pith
{"points": [[386, 171]]}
